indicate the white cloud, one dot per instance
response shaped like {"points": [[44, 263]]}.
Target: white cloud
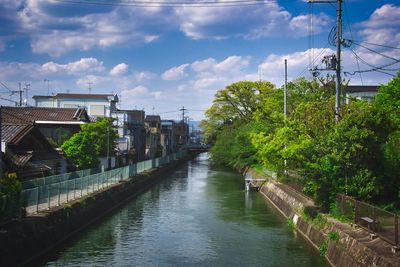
{"points": [[76, 67], [143, 76], [383, 26], [134, 92], [248, 22], [119, 69], [175, 73]]}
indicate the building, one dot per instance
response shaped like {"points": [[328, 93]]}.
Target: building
{"points": [[181, 131], [153, 134], [367, 92], [167, 139], [132, 134], [28, 153], [97, 105], [56, 124]]}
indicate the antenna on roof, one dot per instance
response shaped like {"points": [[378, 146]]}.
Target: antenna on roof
{"points": [[90, 87]]}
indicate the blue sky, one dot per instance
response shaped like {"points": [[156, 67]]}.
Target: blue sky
{"points": [[167, 57]]}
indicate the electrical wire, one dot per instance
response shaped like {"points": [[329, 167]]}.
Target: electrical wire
{"points": [[373, 51], [351, 36], [380, 69], [385, 46], [171, 3], [5, 86]]}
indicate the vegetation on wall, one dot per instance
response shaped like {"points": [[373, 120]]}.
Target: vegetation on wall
{"points": [[358, 155]]}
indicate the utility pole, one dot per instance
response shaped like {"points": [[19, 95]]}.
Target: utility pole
{"points": [[285, 92], [26, 89], [48, 85], [90, 87], [20, 91], [337, 64], [183, 109]]}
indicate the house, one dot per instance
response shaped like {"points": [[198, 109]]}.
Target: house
{"points": [[367, 92], [28, 153], [153, 133], [56, 124], [181, 132], [167, 138], [132, 132], [97, 105]]}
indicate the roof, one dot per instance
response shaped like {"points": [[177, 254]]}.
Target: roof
{"points": [[153, 118], [361, 88], [79, 96], [28, 115], [9, 131]]}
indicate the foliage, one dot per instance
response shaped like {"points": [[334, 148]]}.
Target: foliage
{"points": [[334, 236], [10, 196], [94, 140], [358, 155], [323, 248], [290, 223]]}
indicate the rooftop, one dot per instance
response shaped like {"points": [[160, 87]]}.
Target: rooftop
{"points": [[79, 96], [153, 118], [28, 115], [361, 88]]}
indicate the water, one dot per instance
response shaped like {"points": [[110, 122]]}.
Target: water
{"points": [[196, 216]]}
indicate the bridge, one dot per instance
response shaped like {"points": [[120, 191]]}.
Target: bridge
{"points": [[198, 148]]}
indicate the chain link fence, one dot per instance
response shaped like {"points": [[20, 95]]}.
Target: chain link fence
{"points": [[381, 222], [44, 193]]}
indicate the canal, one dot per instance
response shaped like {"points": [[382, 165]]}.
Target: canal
{"points": [[196, 216]]}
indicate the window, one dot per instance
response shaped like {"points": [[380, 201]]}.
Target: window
{"points": [[97, 110]]}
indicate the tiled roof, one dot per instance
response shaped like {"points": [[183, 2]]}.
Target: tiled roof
{"points": [[80, 96], [28, 115], [153, 118], [9, 131], [361, 88]]}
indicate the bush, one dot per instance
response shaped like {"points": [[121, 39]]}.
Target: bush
{"points": [[311, 212]]}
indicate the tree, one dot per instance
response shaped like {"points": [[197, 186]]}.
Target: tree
{"points": [[94, 140]]}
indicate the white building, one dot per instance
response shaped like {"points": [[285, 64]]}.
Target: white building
{"points": [[367, 92], [96, 105]]}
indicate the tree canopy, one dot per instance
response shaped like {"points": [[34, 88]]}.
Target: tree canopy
{"points": [[357, 156], [94, 140]]}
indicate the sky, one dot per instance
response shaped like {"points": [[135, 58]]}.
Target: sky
{"points": [[161, 55]]}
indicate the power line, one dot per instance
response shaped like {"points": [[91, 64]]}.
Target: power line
{"points": [[374, 51], [380, 69], [171, 3], [385, 46]]}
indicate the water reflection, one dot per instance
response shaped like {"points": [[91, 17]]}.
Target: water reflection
{"points": [[197, 215]]}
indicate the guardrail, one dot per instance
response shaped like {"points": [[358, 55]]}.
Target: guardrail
{"points": [[52, 192], [381, 222]]}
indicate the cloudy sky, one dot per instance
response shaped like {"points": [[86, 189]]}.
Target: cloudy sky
{"points": [[161, 55]]}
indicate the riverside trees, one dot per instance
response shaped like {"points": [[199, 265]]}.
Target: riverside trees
{"points": [[358, 155]]}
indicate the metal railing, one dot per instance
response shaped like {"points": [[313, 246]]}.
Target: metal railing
{"points": [[381, 222], [53, 191]]}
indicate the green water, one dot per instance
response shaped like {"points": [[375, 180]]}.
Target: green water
{"points": [[196, 216]]}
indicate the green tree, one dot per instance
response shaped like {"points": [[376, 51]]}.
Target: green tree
{"points": [[94, 140]]}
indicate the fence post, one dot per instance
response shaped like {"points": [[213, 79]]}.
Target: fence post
{"points": [[75, 188], [58, 189], [37, 200], [396, 229], [355, 211], [48, 196]]}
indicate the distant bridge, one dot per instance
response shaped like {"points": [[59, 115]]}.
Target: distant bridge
{"points": [[198, 148]]}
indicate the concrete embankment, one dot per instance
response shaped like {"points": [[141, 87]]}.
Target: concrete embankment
{"points": [[26, 241], [343, 244]]}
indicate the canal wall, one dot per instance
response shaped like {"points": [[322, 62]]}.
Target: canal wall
{"points": [[26, 241], [342, 244]]}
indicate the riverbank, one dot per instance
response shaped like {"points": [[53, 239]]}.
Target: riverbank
{"points": [[25, 241], [342, 244]]}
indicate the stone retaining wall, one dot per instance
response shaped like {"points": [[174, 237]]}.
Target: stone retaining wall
{"points": [[354, 247], [28, 240]]}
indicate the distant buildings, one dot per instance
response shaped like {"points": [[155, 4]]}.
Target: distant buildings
{"points": [[367, 92], [96, 105], [32, 136]]}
